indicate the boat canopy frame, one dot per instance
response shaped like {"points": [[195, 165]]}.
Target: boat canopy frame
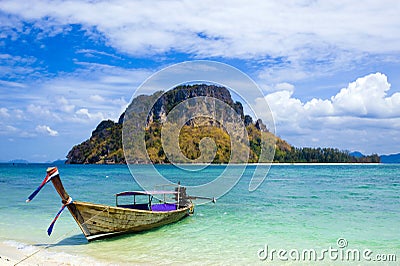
{"points": [[151, 195]]}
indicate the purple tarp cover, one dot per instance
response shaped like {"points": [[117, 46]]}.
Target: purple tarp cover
{"points": [[163, 207]]}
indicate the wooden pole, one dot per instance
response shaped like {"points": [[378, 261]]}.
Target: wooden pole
{"points": [[59, 187]]}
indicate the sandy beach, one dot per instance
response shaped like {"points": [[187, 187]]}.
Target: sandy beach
{"points": [[10, 255], [14, 253]]}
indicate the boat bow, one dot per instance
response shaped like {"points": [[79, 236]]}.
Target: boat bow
{"points": [[100, 221]]}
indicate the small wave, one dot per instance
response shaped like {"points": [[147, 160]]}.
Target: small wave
{"points": [[20, 246]]}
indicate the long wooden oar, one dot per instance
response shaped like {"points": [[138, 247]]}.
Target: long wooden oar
{"points": [[213, 200]]}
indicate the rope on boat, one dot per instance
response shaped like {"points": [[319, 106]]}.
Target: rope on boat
{"points": [[60, 237]]}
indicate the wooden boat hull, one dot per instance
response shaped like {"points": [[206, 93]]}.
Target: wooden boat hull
{"points": [[100, 221]]}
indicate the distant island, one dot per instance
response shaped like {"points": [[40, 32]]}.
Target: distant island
{"points": [[392, 158], [105, 144], [18, 161]]}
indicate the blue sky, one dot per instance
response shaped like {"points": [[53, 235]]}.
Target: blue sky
{"points": [[329, 71]]}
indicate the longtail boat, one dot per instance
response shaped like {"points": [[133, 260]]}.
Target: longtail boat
{"points": [[101, 221]]}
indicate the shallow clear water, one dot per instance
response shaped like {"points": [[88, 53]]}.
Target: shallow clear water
{"points": [[297, 206]]}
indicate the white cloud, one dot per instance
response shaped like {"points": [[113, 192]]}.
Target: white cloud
{"points": [[367, 96], [283, 107], [102, 89], [227, 28], [106, 89], [94, 53], [7, 129], [84, 113], [27, 134], [64, 105], [96, 98], [43, 111], [283, 86], [288, 71], [360, 115], [15, 66], [4, 112], [319, 108], [43, 129], [18, 114], [11, 84]]}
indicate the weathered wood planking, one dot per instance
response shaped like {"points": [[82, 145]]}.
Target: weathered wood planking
{"points": [[102, 219]]}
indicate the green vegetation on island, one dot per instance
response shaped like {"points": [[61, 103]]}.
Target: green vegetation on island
{"points": [[105, 144]]}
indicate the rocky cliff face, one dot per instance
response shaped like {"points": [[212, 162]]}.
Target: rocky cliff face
{"points": [[173, 97]]}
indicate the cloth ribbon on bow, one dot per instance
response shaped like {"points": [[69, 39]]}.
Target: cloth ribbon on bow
{"points": [[50, 229], [52, 173]]}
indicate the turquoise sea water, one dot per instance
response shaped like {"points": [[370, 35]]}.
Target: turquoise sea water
{"points": [[297, 207]]}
